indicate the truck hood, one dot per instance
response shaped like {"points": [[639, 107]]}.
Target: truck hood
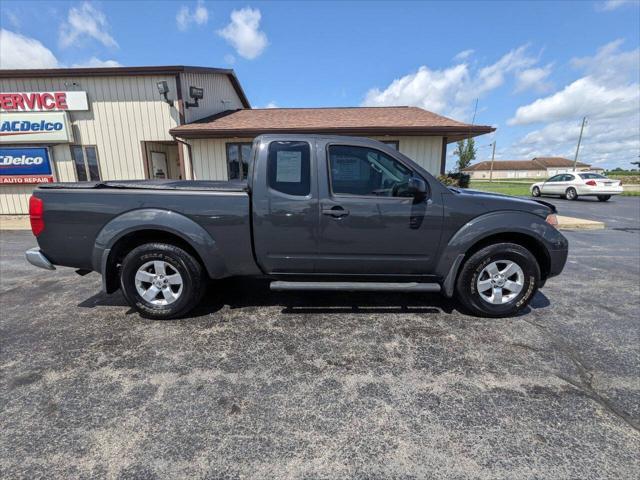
{"points": [[498, 201]]}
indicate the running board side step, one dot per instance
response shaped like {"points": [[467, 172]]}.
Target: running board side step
{"points": [[357, 286]]}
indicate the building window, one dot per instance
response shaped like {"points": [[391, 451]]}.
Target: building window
{"points": [[289, 168], [85, 159], [395, 144], [238, 155]]}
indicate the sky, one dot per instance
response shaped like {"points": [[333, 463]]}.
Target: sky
{"points": [[534, 69]]}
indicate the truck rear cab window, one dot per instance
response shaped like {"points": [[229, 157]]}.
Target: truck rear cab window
{"points": [[365, 171], [289, 168], [85, 160]]}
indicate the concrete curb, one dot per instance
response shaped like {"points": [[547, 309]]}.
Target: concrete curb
{"points": [[571, 223], [14, 222]]}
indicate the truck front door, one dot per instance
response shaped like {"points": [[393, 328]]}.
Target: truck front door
{"points": [[367, 225], [285, 206]]}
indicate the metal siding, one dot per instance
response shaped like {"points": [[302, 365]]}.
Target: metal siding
{"points": [[123, 111], [210, 157], [217, 87], [425, 151]]}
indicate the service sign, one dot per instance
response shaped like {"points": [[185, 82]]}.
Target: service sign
{"points": [[43, 101], [23, 166], [51, 127]]}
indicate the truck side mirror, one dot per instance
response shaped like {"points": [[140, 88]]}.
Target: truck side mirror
{"points": [[417, 187]]}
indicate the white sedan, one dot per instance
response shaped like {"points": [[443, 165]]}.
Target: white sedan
{"points": [[573, 185]]}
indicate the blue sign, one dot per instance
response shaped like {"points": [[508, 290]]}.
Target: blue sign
{"points": [[24, 161]]}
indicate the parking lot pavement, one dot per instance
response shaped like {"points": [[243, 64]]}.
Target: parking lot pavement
{"points": [[295, 385], [619, 212]]}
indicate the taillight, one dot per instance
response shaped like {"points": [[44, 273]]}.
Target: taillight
{"points": [[36, 209], [552, 219], [592, 183]]}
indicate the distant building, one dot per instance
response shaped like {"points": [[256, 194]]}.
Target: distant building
{"points": [[538, 167]]}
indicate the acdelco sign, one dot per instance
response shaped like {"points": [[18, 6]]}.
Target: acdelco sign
{"points": [[43, 101], [24, 166], [34, 127]]}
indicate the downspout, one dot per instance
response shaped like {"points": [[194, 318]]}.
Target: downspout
{"points": [[189, 154], [181, 121]]}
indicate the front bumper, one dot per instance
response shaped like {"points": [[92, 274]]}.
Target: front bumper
{"points": [[35, 257]]}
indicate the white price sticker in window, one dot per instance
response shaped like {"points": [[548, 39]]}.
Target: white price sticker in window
{"points": [[288, 167]]}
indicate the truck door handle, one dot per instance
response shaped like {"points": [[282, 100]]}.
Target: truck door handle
{"points": [[336, 211]]}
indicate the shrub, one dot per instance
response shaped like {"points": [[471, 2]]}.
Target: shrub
{"points": [[458, 179]]}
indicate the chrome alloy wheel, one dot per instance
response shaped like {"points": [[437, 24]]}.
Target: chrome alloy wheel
{"points": [[159, 283], [500, 282]]}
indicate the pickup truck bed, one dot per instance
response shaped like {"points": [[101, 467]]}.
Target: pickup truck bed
{"points": [[82, 219]]}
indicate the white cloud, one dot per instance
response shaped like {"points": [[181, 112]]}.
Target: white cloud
{"points": [[271, 104], [186, 17], [244, 34], [585, 96], [18, 51], [610, 5], [608, 95], [451, 90], [94, 62], [533, 79], [463, 55], [86, 21], [14, 20], [609, 90]]}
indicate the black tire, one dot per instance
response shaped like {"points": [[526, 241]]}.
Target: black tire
{"points": [[193, 281], [535, 192], [466, 285], [571, 194], [603, 198]]}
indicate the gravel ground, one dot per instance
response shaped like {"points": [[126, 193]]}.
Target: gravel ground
{"points": [[261, 385]]}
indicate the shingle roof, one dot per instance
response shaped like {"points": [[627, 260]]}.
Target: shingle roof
{"points": [[347, 121], [538, 163]]}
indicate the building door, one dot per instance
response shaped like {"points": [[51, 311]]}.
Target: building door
{"points": [[158, 165], [162, 160]]}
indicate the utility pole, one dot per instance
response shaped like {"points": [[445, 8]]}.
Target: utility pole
{"points": [[493, 155], [575, 160]]}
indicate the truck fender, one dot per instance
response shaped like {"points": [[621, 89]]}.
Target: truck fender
{"points": [[156, 219], [485, 226]]}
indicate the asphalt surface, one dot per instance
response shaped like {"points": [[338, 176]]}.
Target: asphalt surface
{"points": [[261, 385]]}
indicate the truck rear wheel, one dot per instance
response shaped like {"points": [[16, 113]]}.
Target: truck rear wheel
{"points": [[161, 281], [498, 280]]}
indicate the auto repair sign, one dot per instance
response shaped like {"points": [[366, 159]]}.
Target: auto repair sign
{"points": [[50, 127], [21, 166], [43, 101]]}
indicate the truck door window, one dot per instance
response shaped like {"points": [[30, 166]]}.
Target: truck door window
{"points": [[288, 167], [365, 171]]}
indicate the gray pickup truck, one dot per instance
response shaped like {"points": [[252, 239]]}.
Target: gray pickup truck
{"points": [[316, 213]]}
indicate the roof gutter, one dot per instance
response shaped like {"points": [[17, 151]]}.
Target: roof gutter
{"points": [[457, 132]]}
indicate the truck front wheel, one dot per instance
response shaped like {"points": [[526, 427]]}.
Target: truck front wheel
{"points": [[161, 281], [498, 280]]}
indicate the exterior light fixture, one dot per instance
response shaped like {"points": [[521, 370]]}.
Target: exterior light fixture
{"points": [[163, 89], [196, 94]]}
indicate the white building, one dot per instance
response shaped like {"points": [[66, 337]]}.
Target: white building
{"points": [[170, 122], [539, 167]]}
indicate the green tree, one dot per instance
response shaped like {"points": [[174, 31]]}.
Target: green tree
{"points": [[466, 153]]}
